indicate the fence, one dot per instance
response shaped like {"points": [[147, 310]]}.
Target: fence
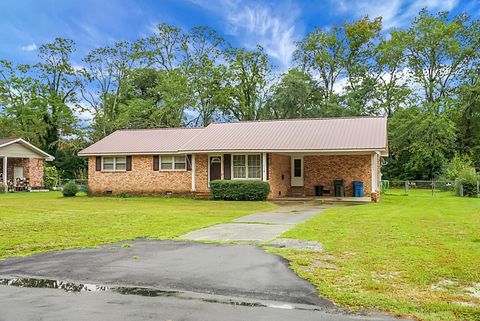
{"points": [[432, 188], [82, 184]]}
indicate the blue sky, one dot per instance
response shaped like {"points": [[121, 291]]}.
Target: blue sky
{"points": [[276, 25]]}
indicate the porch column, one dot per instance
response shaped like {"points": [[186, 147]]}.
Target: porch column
{"points": [[264, 167], [374, 173], [193, 173], [5, 161]]}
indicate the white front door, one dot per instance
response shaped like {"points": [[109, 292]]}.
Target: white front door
{"points": [[17, 173], [297, 171]]}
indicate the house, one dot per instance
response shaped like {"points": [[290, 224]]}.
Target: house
{"points": [[294, 156], [22, 164]]}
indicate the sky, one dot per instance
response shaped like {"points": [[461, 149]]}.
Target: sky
{"points": [[276, 25]]}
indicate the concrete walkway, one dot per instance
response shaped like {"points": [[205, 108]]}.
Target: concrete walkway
{"points": [[258, 227]]}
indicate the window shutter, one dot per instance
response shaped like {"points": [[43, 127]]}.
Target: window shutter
{"points": [[155, 163], [98, 163], [128, 165], [227, 161], [267, 167], [189, 162]]}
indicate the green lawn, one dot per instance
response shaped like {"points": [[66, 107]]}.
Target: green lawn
{"points": [[40, 222], [409, 255]]}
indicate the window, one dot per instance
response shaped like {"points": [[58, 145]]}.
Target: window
{"points": [[247, 166], [173, 163], [239, 170], [297, 167], [118, 163]]}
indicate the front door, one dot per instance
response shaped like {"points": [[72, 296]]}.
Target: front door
{"points": [[297, 171], [215, 167], [17, 173]]}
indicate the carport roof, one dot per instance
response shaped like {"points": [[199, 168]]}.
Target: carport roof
{"points": [[5, 142]]}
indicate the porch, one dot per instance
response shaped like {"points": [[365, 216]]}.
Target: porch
{"points": [[21, 165], [304, 176]]}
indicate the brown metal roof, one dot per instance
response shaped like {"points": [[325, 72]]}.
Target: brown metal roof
{"points": [[6, 140], [359, 133], [320, 134], [138, 141]]}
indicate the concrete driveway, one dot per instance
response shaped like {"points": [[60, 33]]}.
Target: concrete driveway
{"points": [[258, 227], [162, 280]]}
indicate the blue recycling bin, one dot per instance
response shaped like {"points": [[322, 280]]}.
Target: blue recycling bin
{"points": [[357, 189]]}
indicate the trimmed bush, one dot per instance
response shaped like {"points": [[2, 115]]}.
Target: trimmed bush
{"points": [[70, 189], [238, 190]]}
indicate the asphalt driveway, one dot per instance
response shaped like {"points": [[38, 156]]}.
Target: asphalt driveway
{"points": [[161, 280]]}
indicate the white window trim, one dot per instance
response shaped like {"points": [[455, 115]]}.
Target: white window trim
{"points": [[246, 167], [173, 163], [114, 164]]}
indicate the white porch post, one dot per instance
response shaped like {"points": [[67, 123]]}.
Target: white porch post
{"points": [[193, 173], [374, 173], [264, 167], [5, 162]]}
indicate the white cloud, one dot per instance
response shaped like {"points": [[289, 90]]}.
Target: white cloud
{"points": [[30, 47], [274, 27], [395, 13]]}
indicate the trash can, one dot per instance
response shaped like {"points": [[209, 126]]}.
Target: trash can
{"points": [[357, 189], [319, 190], [339, 188]]}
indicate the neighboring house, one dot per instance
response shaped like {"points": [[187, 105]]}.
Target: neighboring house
{"points": [[293, 155], [21, 162]]}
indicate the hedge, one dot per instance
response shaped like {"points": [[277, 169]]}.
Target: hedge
{"points": [[239, 190], [70, 189]]}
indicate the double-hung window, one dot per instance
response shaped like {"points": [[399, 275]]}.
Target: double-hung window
{"points": [[114, 163], [173, 162], [247, 166]]}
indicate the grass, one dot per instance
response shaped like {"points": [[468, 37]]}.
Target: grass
{"points": [[409, 255], [39, 222]]}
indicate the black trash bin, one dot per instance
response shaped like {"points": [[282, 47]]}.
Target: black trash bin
{"points": [[357, 189], [339, 188], [319, 190]]}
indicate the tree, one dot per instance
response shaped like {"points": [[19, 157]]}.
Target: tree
{"points": [[248, 73], [21, 114], [439, 52], [295, 96], [207, 74], [59, 84], [105, 75], [420, 141]]}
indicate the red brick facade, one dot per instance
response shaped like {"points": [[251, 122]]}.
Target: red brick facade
{"points": [[142, 179], [318, 170]]}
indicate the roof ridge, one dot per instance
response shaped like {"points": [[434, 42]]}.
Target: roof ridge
{"points": [[155, 128], [296, 119]]}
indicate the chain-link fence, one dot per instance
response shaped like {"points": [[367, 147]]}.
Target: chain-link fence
{"points": [[82, 184], [433, 188]]}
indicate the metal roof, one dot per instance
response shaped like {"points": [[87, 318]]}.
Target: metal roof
{"points": [[322, 134], [292, 135], [142, 141]]}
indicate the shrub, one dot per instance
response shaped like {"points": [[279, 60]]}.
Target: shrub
{"points": [[51, 177], [468, 178], [70, 189], [238, 190]]}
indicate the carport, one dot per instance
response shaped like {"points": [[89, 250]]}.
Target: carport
{"points": [[22, 164]]}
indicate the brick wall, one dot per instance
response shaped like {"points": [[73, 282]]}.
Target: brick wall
{"points": [[323, 170], [32, 169], [142, 179], [278, 175]]}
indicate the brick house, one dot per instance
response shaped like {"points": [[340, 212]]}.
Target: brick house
{"points": [[298, 157], [22, 164]]}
